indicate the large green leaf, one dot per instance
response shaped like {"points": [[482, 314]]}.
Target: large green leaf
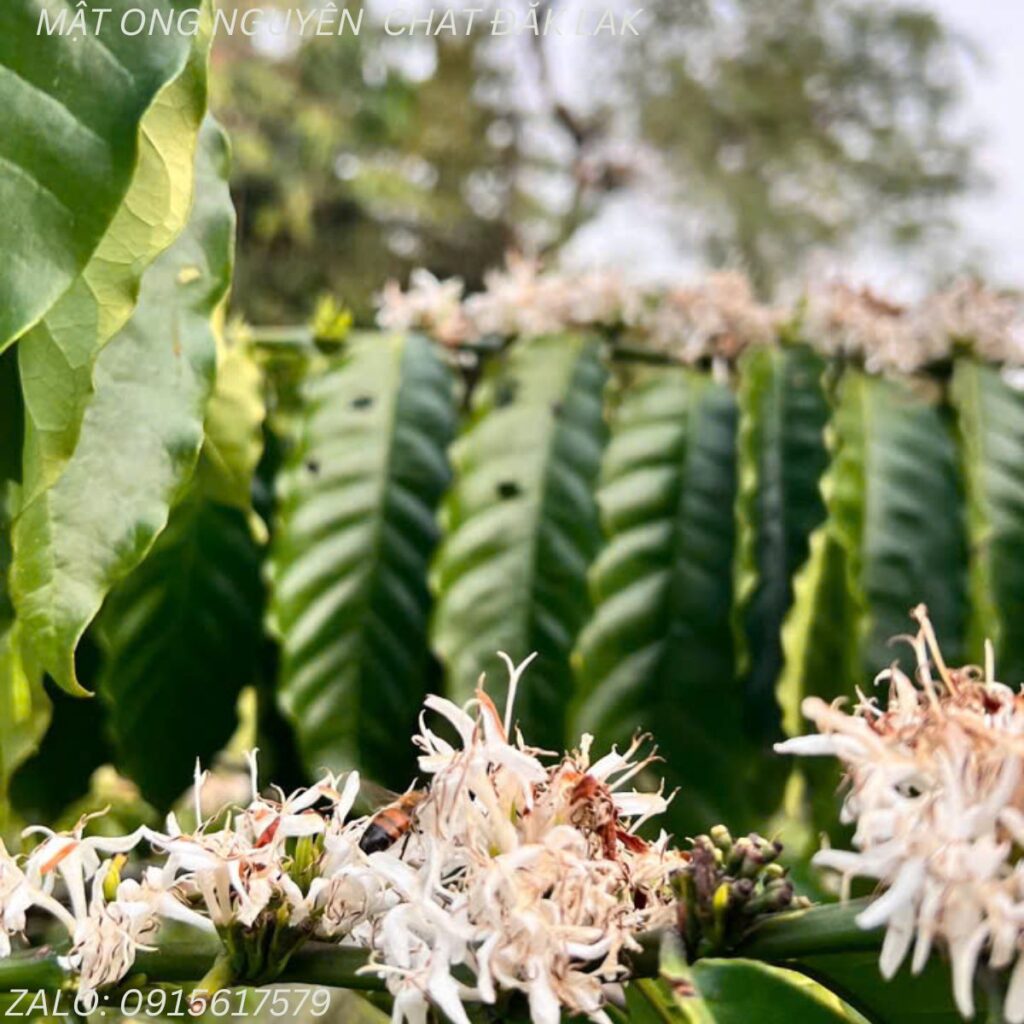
{"points": [[354, 534], [897, 509], [139, 440], [522, 527], [182, 636], [991, 420], [782, 456], [56, 357], [72, 104], [894, 538], [657, 655], [826, 944], [821, 657], [731, 992]]}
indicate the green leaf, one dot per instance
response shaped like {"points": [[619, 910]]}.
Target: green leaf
{"points": [[354, 535], [897, 509], [821, 657], [991, 422], [731, 992], [782, 457], [140, 438], [72, 105], [234, 427], [56, 357], [24, 707], [522, 527], [893, 539], [657, 655], [182, 637], [826, 944]]}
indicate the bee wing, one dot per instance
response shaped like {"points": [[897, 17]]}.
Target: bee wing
{"points": [[372, 797]]}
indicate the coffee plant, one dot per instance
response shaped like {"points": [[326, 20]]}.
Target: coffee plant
{"points": [[701, 516]]}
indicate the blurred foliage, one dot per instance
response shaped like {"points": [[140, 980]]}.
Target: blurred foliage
{"points": [[767, 128]]}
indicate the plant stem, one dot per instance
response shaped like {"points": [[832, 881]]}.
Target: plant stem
{"points": [[316, 963], [824, 929]]}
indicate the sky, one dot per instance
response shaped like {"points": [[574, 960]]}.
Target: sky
{"points": [[994, 100], [632, 233]]}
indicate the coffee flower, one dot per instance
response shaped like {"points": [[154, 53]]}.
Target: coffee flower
{"points": [[716, 318], [523, 876], [936, 792], [967, 313], [428, 305], [513, 871]]}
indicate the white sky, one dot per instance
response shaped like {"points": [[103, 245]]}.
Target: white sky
{"points": [[996, 101], [632, 234]]}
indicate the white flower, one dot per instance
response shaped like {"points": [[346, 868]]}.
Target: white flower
{"points": [[936, 791], [971, 314], [17, 896], [519, 871], [106, 939], [521, 876], [715, 319], [429, 305], [861, 325]]}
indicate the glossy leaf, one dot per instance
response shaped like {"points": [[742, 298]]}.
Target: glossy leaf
{"points": [[826, 944], [897, 506], [731, 992], [782, 456], [657, 655], [72, 105], [140, 438], [522, 527], [354, 534], [182, 638], [56, 358], [990, 415]]}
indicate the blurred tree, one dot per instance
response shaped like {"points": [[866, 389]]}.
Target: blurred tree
{"points": [[800, 123], [772, 126]]}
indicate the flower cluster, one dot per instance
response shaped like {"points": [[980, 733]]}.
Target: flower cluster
{"points": [[714, 319], [517, 301], [936, 792], [890, 338], [511, 872]]}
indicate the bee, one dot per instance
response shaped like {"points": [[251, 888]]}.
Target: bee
{"points": [[593, 810], [392, 822]]}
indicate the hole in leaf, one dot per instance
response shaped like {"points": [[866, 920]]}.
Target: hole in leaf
{"points": [[505, 392], [362, 402], [509, 489]]}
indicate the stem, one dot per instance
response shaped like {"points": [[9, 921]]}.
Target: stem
{"points": [[824, 929], [36, 970], [300, 337], [317, 963]]}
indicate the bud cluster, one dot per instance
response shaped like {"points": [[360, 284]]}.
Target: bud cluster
{"points": [[727, 886]]}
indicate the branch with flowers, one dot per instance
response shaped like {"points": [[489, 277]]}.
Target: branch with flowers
{"points": [[518, 875]]}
